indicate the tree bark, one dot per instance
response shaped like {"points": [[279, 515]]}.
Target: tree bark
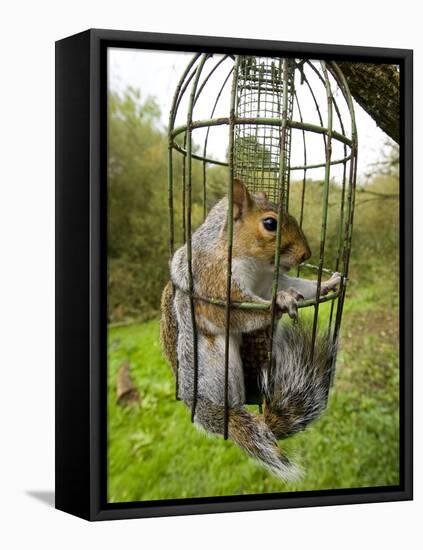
{"points": [[376, 88]]}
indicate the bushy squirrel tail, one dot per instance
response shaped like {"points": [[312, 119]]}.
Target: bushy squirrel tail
{"points": [[296, 390], [250, 432]]}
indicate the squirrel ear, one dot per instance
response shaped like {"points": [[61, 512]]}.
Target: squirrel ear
{"points": [[261, 195], [241, 198]]}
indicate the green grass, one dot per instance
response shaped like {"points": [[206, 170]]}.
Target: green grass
{"points": [[154, 452]]}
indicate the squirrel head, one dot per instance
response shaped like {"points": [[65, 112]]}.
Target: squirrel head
{"points": [[254, 230]]}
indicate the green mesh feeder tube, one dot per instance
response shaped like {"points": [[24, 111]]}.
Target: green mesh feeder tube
{"points": [[286, 123]]}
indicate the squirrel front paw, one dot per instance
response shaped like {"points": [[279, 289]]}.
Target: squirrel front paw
{"points": [[287, 301], [331, 284]]}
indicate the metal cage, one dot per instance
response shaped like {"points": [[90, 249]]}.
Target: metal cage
{"points": [[283, 120]]}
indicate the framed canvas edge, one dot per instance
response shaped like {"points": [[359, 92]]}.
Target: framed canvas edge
{"points": [[91, 460]]}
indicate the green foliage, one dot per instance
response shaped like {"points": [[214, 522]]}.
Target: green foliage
{"points": [[137, 182], [376, 230], [137, 215], [375, 241]]}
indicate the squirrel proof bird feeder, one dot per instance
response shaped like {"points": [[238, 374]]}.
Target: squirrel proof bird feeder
{"points": [[284, 123]]}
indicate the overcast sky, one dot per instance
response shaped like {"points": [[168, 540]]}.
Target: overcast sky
{"points": [[157, 74]]}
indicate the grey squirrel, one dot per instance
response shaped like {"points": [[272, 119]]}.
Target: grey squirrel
{"points": [[296, 392]]}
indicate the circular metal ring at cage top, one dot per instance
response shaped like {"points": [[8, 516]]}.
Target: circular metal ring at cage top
{"points": [[208, 160], [264, 111], [261, 121]]}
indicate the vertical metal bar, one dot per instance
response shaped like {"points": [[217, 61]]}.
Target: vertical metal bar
{"points": [[347, 241], [229, 232], [316, 103], [349, 222], [281, 211], [339, 77], [188, 160], [172, 115], [180, 91], [341, 230], [256, 176], [284, 136], [172, 241], [325, 201], [341, 210], [204, 189], [206, 143], [183, 191], [170, 201], [206, 79], [345, 252], [303, 188], [290, 91]]}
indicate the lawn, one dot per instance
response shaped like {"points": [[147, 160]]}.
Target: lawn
{"points": [[154, 452]]}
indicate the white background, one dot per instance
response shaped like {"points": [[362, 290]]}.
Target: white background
{"points": [[28, 32]]}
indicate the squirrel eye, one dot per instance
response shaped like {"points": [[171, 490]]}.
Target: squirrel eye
{"points": [[270, 224]]}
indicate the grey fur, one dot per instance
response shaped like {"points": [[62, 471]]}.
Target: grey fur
{"points": [[298, 386]]}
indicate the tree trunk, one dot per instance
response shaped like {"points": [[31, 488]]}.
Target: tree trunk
{"points": [[376, 88]]}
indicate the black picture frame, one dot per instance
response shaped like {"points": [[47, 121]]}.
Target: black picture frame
{"points": [[81, 285]]}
